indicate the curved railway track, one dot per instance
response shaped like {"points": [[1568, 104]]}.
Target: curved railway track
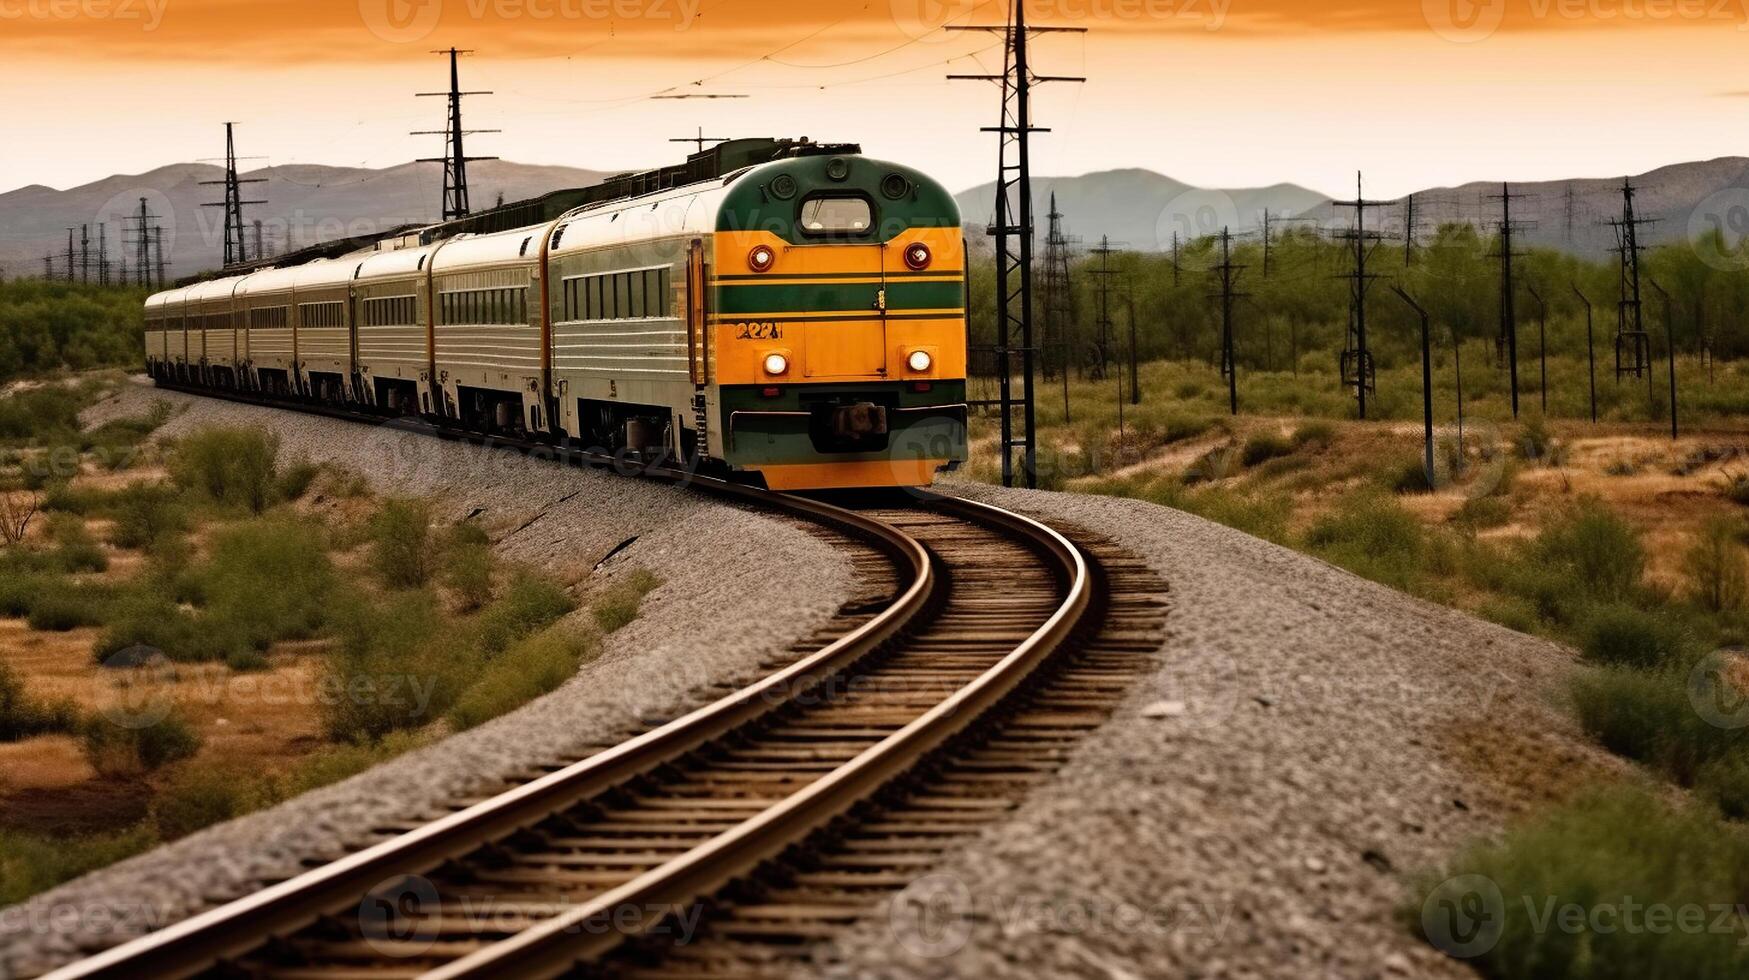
{"points": [[727, 840]]}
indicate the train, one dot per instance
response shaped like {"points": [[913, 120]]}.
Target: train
{"points": [[792, 313]]}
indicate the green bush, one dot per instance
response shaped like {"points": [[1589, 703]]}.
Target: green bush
{"points": [[1482, 513], [1717, 569], [23, 716], [33, 863], [530, 668], [297, 479], [1535, 443], [1621, 635], [269, 579], [1262, 447], [75, 549], [399, 665], [1612, 850], [467, 571], [200, 797], [1314, 435], [43, 414], [1409, 476], [66, 607], [1595, 549], [145, 514], [401, 546], [1725, 782], [1647, 716], [1374, 537], [529, 604], [145, 615], [233, 468], [618, 606], [122, 750]]}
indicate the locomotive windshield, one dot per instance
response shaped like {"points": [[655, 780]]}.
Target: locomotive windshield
{"points": [[836, 215]]}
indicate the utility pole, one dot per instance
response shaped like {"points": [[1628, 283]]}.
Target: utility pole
{"points": [[85, 254], [1506, 346], [260, 245], [701, 139], [455, 159], [1633, 346], [1408, 236], [1590, 349], [1669, 352], [1572, 210], [71, 275], [1013, 231], [103, 253], [1229, 274], [1177, 270], [138, 225], [1426, 379], [1102, 328], [158, 247], [1357, 363], [1135, 369], [1266, 243], [1542, 341], [233, 202]]}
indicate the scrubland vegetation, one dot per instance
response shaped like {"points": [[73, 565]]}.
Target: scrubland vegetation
{"points": [[207, 553]]}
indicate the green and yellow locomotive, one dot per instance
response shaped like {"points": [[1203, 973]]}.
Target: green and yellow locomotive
{"points": [[785, 310]]}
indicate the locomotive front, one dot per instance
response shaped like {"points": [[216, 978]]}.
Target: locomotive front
{"points": [[838, 305]]}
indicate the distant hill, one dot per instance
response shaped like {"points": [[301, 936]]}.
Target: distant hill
{"points": [[1141, 209], [306, 204], [1682, 200]]}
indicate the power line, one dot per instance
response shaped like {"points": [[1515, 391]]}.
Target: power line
{"points": [[233, 202]]}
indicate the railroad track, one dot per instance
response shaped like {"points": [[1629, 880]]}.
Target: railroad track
{"points": [[729, 840]]}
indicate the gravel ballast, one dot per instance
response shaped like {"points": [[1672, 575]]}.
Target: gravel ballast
{"points": [[1311, 744], [703, 626]]}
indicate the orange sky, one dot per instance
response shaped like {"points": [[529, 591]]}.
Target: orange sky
{"points": [[1230, 92]]}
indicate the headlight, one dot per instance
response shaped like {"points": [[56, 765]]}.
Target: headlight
{"points": [[761, 258], [919, 361], [917, 257], [776, 364]]}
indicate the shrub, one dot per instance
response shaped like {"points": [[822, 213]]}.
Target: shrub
{"points": [[529, 604], [1372, 536], [121, 750], [619, 605], [1718, 574], [1481, 513], [30, 863], [1647, 716], [271, 580], [22, 716], [1624, 636], [398, 666], [200, 797], [145, 615], [297, 479], [1596, 549], [231, 467], [530, 668], [467, 570], [1535, 443], [401, 550], [1611, 849], [19, 588], [146, 513], [42, 413], [1314, 435], [75, 549], [1725, 782], [60, 609], [1262, 447], [1409, 476]]}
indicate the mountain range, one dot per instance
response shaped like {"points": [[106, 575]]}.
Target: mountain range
{"points": [[1135, 209]]}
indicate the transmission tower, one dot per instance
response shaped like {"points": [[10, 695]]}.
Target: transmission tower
{"points": [[137, 232], [1357, 362], [1506, 344], [455, 159], [1571, 210], [1177, 269], [72, 275], [1633, 347], [1058, 303], [1013, 230], [1102, 328], [158, 250], [103, 253], [233, 202], [1229, 274]]}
